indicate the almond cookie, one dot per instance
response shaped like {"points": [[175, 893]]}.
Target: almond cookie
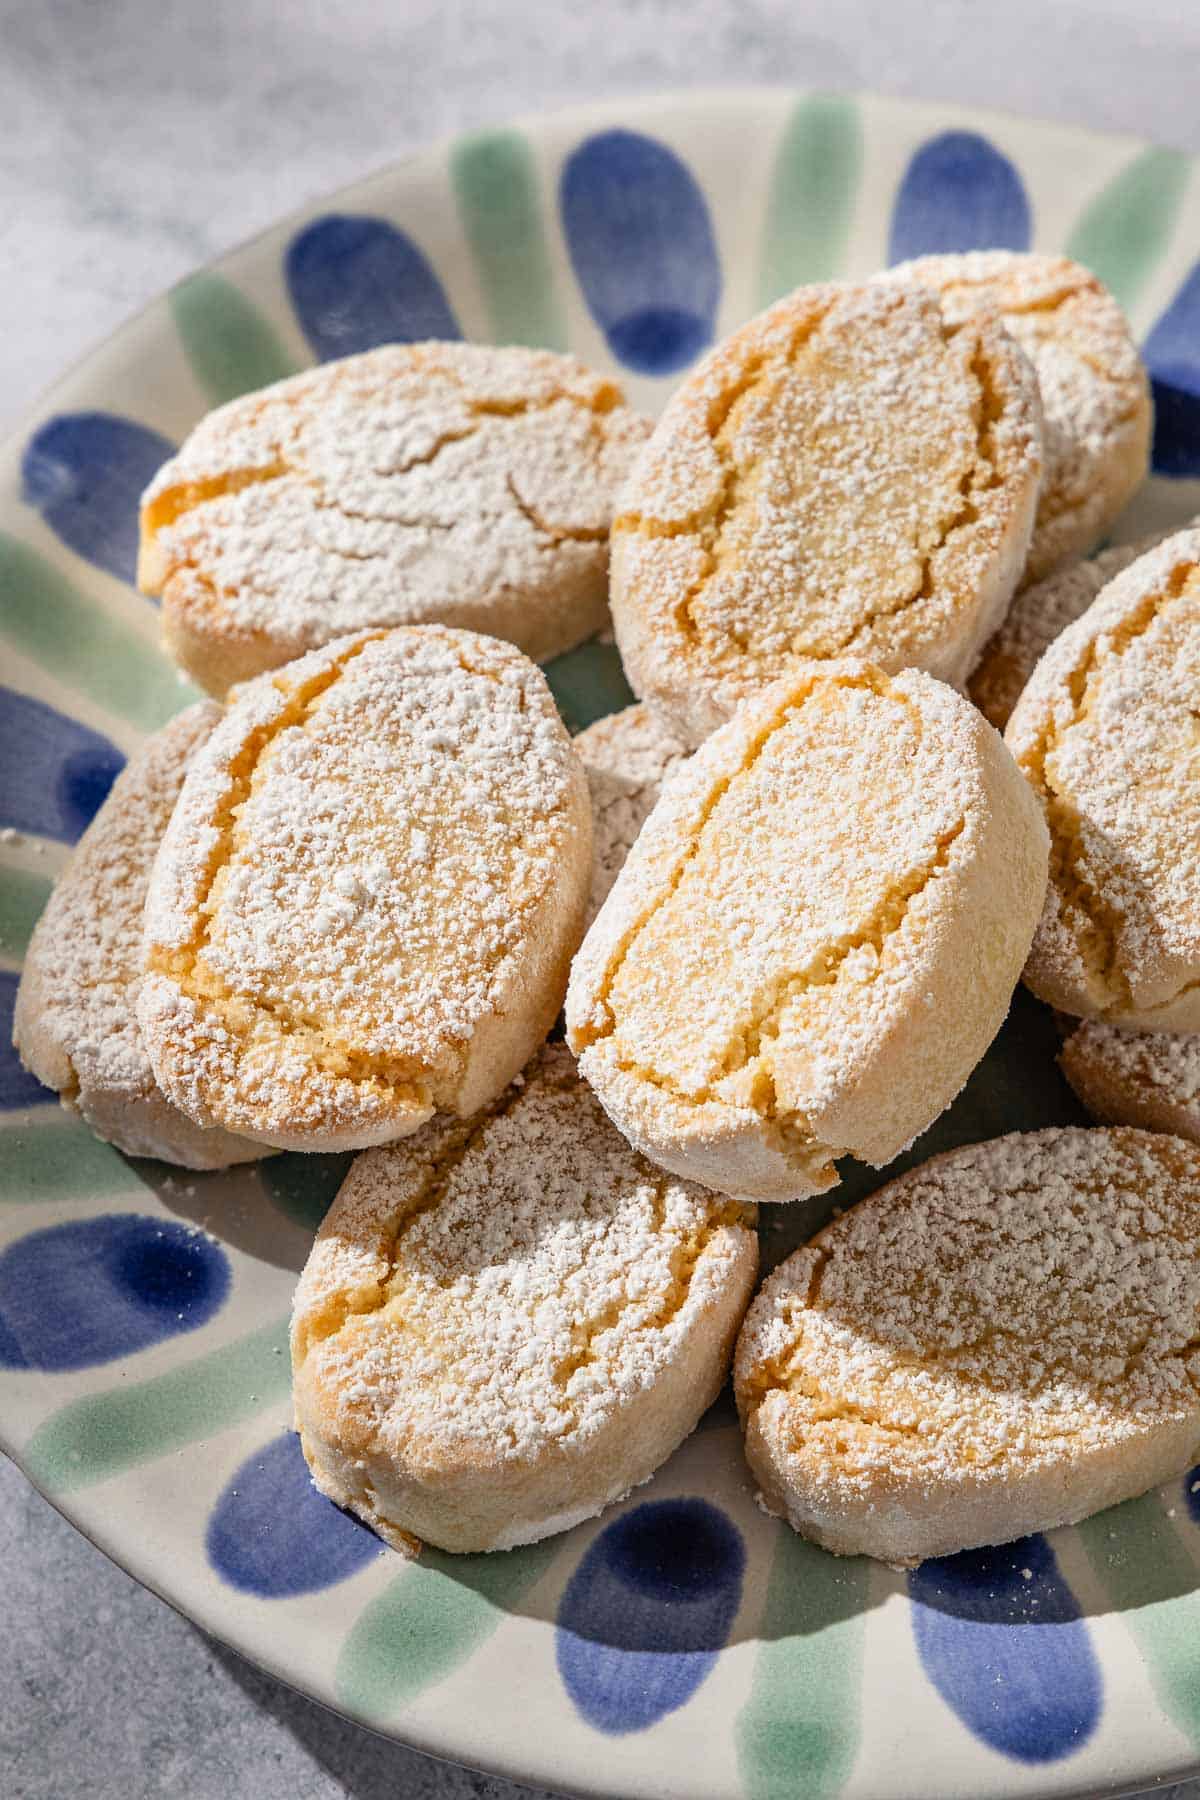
{"points": [[452, 483], [1146, 1078], [364, 907], [1095, 392], [850, 474], [816, 935], [75, 1024], [1001, 1341], [1105, 731], [505, 1325], [627, 756]]}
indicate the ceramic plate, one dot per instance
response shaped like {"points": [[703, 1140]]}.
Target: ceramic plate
{"points": [[683, 1644]]}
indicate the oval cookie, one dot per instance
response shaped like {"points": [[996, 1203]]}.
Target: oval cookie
{"points": [[453, 483], [850, 474], [75, 1024], [816, 935], [1145, 1078], [507, 1324], [628, 756], [1095, 392], [365, 904], [1002, 1341], [1105, 731]]}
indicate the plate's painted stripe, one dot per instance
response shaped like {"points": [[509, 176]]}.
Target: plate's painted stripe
{"points": [[104, 1434], [85, 472], [641, 243], [959, 193], [22, 897], [357, 282], [54, 1159], [429, 1621], [814, 187], [496, 183], [1149, 1576], [1172, 355], [798, 1733], [231, 346], [72, 636], [18, 1088], [273, 1534], [57, 772], [302, 1184], [588, 683], [1122, 233]]}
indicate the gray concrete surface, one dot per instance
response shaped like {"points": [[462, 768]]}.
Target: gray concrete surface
{"points": [[138, 139]]}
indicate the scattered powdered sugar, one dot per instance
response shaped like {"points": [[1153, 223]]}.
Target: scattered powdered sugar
{"points": [[501, 1288], [1036, 617], [453, 482], [75, 1016], [358, 864], [1106, 733], [1034, 1297], [1095, 394], [846, 475], [628, 756]]}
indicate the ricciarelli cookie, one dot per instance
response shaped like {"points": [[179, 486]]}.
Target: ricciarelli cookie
{"points": [[1002, 1341], [505, 1325], [75, 1023], [850, 474], [628, 756], [367, 899], [1146, 1078], [453, 483], [1095, 392], [815, 936], [1105, 732]]}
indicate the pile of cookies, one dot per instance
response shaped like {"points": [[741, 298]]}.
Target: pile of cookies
{"points": [[785, 899]]}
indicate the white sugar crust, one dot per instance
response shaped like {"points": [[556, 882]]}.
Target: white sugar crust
{"points": [[507, 1323], [628, 756], [1002, 1341], [444, 482], [1105, 732], [366, 902], [850, 474], [75, 1023], [815, 936]]}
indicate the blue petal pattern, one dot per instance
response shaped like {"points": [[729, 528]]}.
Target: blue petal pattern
{"points": [[357, 282], [83, 1293], [1002, 1640], [1172, 355], [18, 1088], [57, 772], [85, 472], [647, 1610], [959, 193], [271, 1533], [641, 241]]}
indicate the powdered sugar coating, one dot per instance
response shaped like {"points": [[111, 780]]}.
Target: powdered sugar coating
{"points": [[368, 894], [1146, 1078], [849, 474], [75, 1023], [1106, 733], [1095, 392], [628, 756], [1001, 1341], [504, 1324], [815, 936], [457, 483]]}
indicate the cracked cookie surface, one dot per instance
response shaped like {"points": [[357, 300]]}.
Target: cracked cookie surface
{"points": [[815, 936], [1106, 733], [366, 901], [1002, 1341], [628, 756], [849, 474], [439, 482], [505, 1324], [75, 1023], [1095, 393]]}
